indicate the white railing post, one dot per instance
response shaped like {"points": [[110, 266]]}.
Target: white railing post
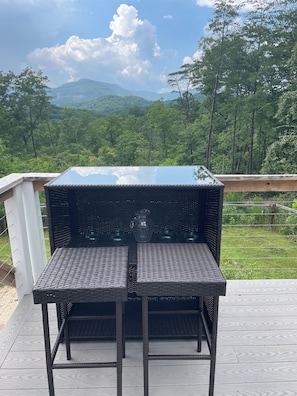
{"points": [[26, 236], [34, 229]]}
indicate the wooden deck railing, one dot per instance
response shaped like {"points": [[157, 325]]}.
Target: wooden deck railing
{"points": [[259, 183], [241, 183]]}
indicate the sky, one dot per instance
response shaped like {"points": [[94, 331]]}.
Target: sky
{"points": [[134, 44]]}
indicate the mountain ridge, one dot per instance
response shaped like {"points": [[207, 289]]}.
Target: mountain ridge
{"points": [[85, 90]]}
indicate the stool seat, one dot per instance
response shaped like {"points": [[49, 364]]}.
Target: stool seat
{"points": [[82, 275], [180, 270]]}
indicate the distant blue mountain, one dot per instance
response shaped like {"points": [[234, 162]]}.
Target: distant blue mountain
{"points": [[85, 90]]}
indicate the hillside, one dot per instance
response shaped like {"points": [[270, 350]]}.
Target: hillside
{"points": [[109, 104], [85, 90]]}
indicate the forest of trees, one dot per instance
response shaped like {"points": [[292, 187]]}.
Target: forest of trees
{"points": [[245, 123]]}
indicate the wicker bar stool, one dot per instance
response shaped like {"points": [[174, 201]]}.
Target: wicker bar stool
{"points": [[82, 275], [184, 270]]}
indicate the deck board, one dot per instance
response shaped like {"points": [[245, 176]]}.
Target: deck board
{"points": [[257, 352]]}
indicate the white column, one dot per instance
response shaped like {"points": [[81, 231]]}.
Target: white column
{"points": [[16, 224], [35, 233], [26, 236]]}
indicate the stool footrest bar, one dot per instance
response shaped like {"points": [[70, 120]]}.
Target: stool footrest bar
{"points": [[84, 365], [179, 357], [177, 312]]}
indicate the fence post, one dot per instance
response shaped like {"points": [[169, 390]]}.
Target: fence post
{"points": [[272, 214]]}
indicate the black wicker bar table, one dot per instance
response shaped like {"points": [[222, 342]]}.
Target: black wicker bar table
{"points": [[121, 206], [180, 270], [82, 275]]}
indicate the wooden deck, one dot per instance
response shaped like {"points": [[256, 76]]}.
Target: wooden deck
{"points": [[257, 352]]}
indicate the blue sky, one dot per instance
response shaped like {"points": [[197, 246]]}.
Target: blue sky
{"points": [[134, 44]]}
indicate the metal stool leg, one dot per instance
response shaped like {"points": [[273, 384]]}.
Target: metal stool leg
{"points": [[119, 342], [213, 348], [199, 332], [48, 354], [145, 338], [123, 331], [66, 331]]}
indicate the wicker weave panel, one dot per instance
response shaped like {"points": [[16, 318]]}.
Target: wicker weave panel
{"points": [[178, 209], [178, 270], [84, 275]]}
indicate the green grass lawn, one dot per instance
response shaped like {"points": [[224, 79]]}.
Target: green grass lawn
{"points": [[257, 253], [5, 251], [246, 253]]}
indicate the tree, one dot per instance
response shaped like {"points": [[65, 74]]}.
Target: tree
{"points": [[5, 160], [287, 104], [268, 41], [242, 72], [26, 104], [282, 156], [209, 72], [160, 136], [6, 118], [31, 104], [181, 82]]}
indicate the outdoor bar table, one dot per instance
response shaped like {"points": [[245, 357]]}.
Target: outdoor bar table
{"points": [[106, 206], [183, 270], [82, 275]]}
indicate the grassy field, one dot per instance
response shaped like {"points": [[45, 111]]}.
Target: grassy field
{"points": [[246, 253], [5, 252], [257, 253]]}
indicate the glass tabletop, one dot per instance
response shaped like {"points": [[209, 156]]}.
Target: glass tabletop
{"points": [[136, 176]]}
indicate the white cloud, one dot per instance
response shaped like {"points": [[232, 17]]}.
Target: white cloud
{"points": [[205, 3], [125, 22], [189, 60], [127, 54], [168, 17]]}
